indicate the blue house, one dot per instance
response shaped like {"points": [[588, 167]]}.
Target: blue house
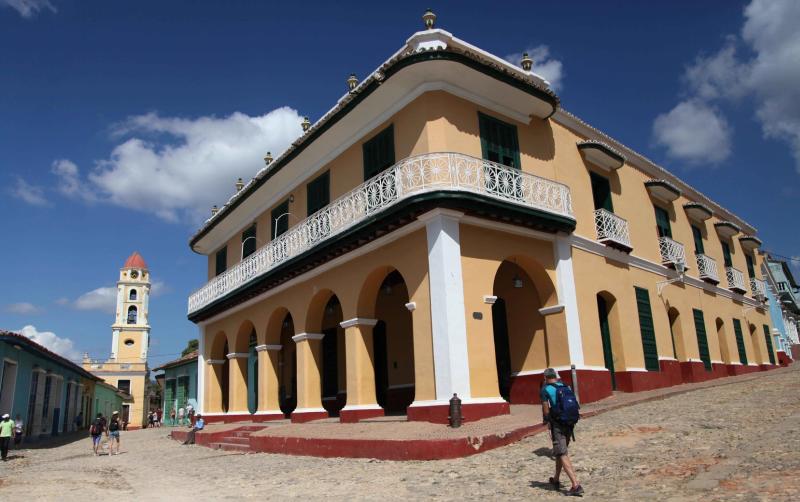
{"points": [[180, 386], [783, 295]]}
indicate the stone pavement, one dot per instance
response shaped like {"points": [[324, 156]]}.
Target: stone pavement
{"points": [[736, 440]]}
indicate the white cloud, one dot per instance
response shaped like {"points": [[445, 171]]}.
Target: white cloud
{"points": [[178, 168], [720, 75], [159, 288], [550, 69], [693, 132], [32, 194], [29, 8], [102, 299], [61, 346], [23, 308]]}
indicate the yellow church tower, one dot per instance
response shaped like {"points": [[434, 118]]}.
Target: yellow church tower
{"points": [[127, 368]]}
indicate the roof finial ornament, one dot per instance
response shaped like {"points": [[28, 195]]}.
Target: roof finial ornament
{"points": [[268, 158], [527, 62], [352, 82], [214, 210], [430, 18], [239, 185], [306, 124]]}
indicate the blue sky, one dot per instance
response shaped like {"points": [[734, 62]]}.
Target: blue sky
{"points": [[122, 122]]}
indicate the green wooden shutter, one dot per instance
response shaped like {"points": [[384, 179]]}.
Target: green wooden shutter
{"points": [[662, 222], [499, 141], [698, 240], [252, 375], [726, 254], [280, 224], [249, 241], [318, 193], [702, 340], [768, 339], [751, 270], [601, 192], [605, 335], [221, 260], [379, 153], [737, 329], [648, 331]]}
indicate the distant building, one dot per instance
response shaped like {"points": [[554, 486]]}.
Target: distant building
{"points": [[108, 399], [127, 367], [784, 302], [180, 384]]}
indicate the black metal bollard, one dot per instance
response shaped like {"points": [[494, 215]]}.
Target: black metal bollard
{"points": [[455, 411]]}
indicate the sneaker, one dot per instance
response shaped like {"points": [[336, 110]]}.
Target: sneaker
{"points": [[575, 492], [555, 484]]}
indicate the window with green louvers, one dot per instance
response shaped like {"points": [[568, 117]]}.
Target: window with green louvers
{"points": [[751, 269], [499, 141], [698, 241], [726, 254], [662, 222], [648, 331], [221, 261], [379, 153], [601, 192], [768, 339], [318, 193], [702, 339], [737, 329]]}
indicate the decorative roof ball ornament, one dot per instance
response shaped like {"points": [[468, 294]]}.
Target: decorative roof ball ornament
{"points": [[429, 18], [306, 124], [527, 62], [352, 82], [268, 158], [239, 185], [214, 210]]}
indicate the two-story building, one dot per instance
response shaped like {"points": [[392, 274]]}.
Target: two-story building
{"points": [[448, 228], [783, 295]]}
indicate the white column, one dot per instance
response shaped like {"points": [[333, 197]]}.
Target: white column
{"points": [[565, 288], [201, 370], [145, 343], [448, 323], [114, 343]]}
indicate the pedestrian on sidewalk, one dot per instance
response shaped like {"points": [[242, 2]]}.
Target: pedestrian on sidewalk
{"points": [[172, 417], [19, 428], [96, 432], [560, 410], [159, 415], [198, 426], [114, 427], [6, 428]]}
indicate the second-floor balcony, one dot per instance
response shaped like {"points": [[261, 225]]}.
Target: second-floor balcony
{"points": [[758, 288], [413, 176], [735, 280], [672, 252], [612, 230], [707, 268]]}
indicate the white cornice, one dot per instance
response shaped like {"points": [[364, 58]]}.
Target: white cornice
{"points": [[358, 321], [308, 336]]}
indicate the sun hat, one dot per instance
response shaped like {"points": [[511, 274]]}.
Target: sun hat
{"points": [[115, 413], [6, 415], [550, 373]]}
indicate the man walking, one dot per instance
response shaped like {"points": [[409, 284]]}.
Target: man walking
{"points": [[560, 410], [6, 429], [96, 431]]}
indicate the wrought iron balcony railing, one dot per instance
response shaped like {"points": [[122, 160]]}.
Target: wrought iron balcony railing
{"points": [[735, 280], [612, 230], [707, 268], [672, 252], [758, 288], [409, 177]]}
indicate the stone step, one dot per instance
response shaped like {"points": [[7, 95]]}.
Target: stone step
{"points": [[230, 447], [236, 440]]}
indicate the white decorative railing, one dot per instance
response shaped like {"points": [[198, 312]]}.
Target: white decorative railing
{"points": [[758, 287], [611, 227], [735, 279], [671, 251], [411, 176], [707, 267]]}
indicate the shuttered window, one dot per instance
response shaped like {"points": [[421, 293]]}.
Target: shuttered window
{"points": [[249, 241], [318, 193], [726, 254], [662, 222], [698, 240], [768, 339], [751, 269], [280, 220], [648, 331], [379, 153], [737, 329], [601, 192], [702, 339], [221, 259], [499, 141]]}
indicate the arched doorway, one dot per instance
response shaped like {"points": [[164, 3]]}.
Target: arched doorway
{"points": [[722, 339], [217, 371], [675, 330], [252, 373], [287, 368], [609, 328], [334, 383], [226, 379]]}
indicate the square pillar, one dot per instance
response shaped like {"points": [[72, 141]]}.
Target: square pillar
{"points": [[36, 424], [268, 402], [309, 378], [213, 385], [237, 380], [361, 400], [565, 289]]}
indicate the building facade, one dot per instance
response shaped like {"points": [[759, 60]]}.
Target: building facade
{"points": [[46, 390], [784, 302], [126, 368], [448, 228], [180, 386]]}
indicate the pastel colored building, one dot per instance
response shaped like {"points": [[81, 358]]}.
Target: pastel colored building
{"points": [[448, 228], [126, 368], [108, 399], [784, 302], [180, 385]]}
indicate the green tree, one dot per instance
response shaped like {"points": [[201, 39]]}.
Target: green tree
{"points": [[191, 346]]}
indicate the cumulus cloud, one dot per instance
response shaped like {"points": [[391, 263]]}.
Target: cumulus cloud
{"points": [[177, 168], [31, 194], [544, 65], [694, 132], [23, 308], [61, 346], [762, 64], [29, 8], [104, 299]]}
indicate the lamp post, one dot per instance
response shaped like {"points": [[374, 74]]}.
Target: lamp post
{"points": [[275, 236], [241, 257]]}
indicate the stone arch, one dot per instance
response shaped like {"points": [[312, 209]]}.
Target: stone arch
{"points": [[722, 338], [324, 315], [217, 393], [287, 361], [610, 333]]}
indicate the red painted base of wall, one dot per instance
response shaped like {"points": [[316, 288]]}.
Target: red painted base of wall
{"points": [[593, 385], [638, 381], [695, 371], [397, 400], [307, 416], [133, 427], [795, 350], [267, 417], [740, 369], [767, 367], [783, 359], [227, 419], [439, 414], [352, 416], [719, 370]]}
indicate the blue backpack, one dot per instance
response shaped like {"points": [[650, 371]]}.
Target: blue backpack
{"points": [[566, 411]]}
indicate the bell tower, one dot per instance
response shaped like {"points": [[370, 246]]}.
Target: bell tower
{"points": [[131, 329]]}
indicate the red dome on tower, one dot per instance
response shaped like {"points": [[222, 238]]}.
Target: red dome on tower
{"points": [[135, 261]]}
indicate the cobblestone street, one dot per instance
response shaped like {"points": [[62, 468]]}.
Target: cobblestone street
{"points": [[738, 439]]}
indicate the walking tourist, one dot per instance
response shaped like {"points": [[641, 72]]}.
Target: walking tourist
{"points": [[560, 410], [19, 427], [180, 415], [172, 417], [114, 427], [96, 431], [150, 419], [159, 414], [198, 426], [6, 427]]}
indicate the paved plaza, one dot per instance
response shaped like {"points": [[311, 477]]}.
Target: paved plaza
{"points": [[736, 439]]}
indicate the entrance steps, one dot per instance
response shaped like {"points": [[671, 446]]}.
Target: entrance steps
{"points": [[236, 440]]}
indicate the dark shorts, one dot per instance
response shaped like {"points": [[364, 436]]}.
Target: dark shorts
{"points": [[96, 439], [114, 434], [561, 436]]}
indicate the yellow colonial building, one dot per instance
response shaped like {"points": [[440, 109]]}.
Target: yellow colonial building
{"points": [[126, 368], [448, 228]]}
